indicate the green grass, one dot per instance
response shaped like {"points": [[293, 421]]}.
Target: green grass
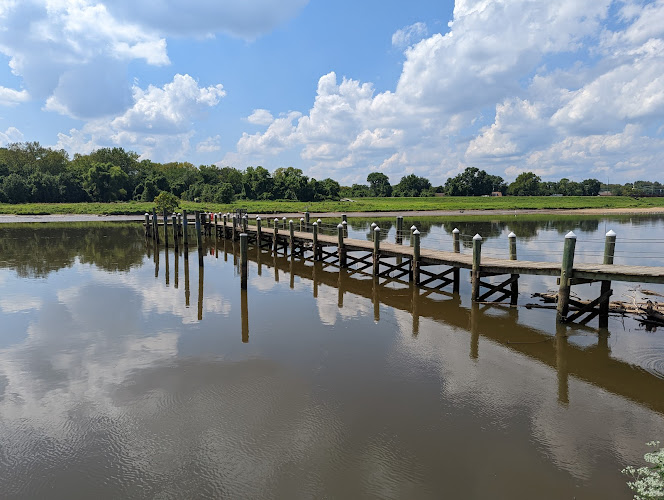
{"points": [[359, 205]]}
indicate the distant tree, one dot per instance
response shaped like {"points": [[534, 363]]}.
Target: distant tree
{"points": [[166, 201], [106, 182], [591, 187], [411, 186], [379, 184], [359, 191], [526, 184], [15, 189], [257, 183], [225, 193], [474, 182]]}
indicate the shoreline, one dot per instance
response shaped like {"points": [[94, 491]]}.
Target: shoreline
{"points": [[10, 218]]}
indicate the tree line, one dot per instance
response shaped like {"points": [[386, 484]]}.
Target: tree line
{"points": [[30, 172]]}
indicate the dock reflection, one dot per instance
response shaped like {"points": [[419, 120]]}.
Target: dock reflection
{"points": [[592, 364]]}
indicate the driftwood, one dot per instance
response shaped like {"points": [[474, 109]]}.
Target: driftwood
{"points": [[651, 312]]}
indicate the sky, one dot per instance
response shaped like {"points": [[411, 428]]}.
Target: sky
{"points": [[562, 88]]}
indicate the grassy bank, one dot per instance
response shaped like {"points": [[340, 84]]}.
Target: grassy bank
{"points": [[360, 205]]}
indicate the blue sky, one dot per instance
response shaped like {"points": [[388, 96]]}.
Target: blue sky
{"points": [[564, 88]]}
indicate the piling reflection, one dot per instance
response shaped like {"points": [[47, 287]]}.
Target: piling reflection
{"points": [[498, 323], [244, 312]]}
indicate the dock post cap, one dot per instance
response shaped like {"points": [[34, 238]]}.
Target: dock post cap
{"points": [[283, 218], [511, 235], [611, 233], [477, 237], [376, 229], [320, 221], [276, 219], [340, 226], [315, 224], [290, 221], [456, 230], [571, 235], [301, 219], [344, 222], [258, 218], [416, 232], [413, 227], [373, 224]]}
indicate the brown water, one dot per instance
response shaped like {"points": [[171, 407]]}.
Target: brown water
{"points": [[130, 374]]}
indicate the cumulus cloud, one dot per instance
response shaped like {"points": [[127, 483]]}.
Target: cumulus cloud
{"points": [[260, 117], [158, 125], [509, 88], [12, 134], [75, 54], [406, 36], [209, 145], [12, 97]]}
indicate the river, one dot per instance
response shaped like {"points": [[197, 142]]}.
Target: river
{"points": [[126, 373]]}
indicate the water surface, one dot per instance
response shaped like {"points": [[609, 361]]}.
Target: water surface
{"points": [[126, 372]]}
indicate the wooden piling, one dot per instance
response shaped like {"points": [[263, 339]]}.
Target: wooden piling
{"points": [[456, 274], [376, 252], [399, 237], [609, 251], [291, 236], [155, 226], [259, 233], [314, 244], [147, 224], [275, 239], [199, 239], [341, 247], [416, 257], [306, 221], [475, 272], [243, 260], [174, 218], [245, 223], [284, 223], [234, 228], [413, 228], [514, 286], [216, 230], [566, 270], [185, 233], [165, 228], [301, 224]]}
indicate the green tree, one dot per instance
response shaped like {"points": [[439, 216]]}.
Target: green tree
{"points": [[591, 187], [474, 182], [379, 184], [526, 184], [411, 186], [106, 182], [15, 189], [166, 201]]}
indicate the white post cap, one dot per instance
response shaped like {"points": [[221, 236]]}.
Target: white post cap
{"points": [[320, 221], [477, 237], [456, 230], [315, 223], [570, 235], [611, 233], [376, 229], [416, 232], [340, 226], [344, 223], [511, 235], [413, 228], [258, 218]]}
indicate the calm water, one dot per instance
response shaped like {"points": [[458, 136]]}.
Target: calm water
{"points": [[125, 373]]}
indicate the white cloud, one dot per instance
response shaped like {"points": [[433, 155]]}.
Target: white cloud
{"points": [[260, 117], [158, 125], [410, 34], [209, 145], [525, 59], [12, 134], [75, 53], [12, 97]]}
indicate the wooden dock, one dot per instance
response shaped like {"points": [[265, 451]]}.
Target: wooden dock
{"points": [[432, 269]]}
